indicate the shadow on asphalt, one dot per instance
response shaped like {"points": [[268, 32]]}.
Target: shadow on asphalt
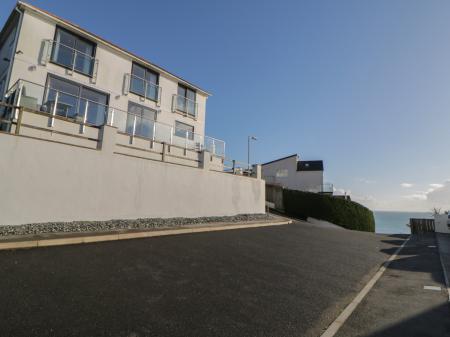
{"points": [[416, 256], [419, 256], [428, 323]]}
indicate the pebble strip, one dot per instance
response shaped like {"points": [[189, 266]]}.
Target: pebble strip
{"points": [[111, 225]]}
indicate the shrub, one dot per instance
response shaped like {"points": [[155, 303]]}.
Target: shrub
{"points": [[345, 213]]}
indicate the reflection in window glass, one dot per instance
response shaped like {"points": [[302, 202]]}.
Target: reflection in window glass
{"points": [[184, 130], [144, 117], [74, 100], [144, 82], [72, 51]]}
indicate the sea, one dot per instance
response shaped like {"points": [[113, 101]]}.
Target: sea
{"points": [[387, 222]]}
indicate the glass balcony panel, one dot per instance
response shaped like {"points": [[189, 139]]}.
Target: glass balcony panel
{"points": [[152, 91], [137, 85], [62, 55], [67, 104], [190, 107], [145, 128], [181, 103], [84, 63], [96, 112]]}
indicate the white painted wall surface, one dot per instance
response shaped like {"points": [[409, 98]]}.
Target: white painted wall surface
{"points": [[310, 181], [44, 181], [441, 222]]}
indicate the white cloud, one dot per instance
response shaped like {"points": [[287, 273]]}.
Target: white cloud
{"points": [[417, 196], [440, 197], [434, 186], [406, 185]]}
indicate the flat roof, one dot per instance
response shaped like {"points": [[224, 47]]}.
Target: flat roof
{"points": [[23, 5]]}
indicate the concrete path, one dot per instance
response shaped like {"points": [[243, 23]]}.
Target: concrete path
{"points": [[410, 299], [290, 280]]}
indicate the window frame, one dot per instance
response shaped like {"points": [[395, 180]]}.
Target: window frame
{"points": [[140, 117], [186, 89], [191, 132], [94, 51], [80, 87], [146, 69]]}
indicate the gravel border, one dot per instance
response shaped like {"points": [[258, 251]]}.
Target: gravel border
{"points": [[112, 225]]}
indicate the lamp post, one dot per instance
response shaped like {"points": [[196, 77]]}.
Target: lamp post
{"points": [[248, 149]]}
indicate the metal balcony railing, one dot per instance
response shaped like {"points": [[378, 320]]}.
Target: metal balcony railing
{"points": [[185, 105], [88, 112], [70, 58], [327, 188], [143, 127], [144, 88]]}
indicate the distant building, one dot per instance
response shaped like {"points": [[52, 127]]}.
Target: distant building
{"points": [[442, 223], [292, 173]]}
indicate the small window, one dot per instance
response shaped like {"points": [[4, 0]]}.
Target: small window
{"points": [[282, 173], [186, 100], [145, 118], [74, 52], [184, 130], [144, 82]]}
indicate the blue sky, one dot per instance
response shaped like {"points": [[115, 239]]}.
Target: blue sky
{"points": [[363, 85]]}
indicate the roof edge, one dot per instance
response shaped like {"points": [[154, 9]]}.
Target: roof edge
{"points": [[274, 161], [23, 5]]}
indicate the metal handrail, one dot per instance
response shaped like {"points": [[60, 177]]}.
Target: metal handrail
{"points": [[198, 141], [176, 107], [76, 52], [158, 87]]}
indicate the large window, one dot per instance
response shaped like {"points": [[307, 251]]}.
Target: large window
{"points": [[73, 100], [144, 82], [186, 100], [184, 130], [74, 52], [144, 118]]}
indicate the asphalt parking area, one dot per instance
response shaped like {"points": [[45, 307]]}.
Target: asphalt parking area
{"points": [[274, 281]]}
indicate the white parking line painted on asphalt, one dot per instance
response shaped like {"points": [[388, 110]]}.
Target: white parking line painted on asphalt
{"points": [[432, 288], [345, 314], [431, 246]]}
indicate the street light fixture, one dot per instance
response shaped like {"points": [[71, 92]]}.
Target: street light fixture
{"points": [[248, 149]]}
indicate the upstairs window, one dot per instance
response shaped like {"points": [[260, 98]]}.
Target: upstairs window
{"points": [[184, 130], [144, 82], [73, 52], [144, 117], [186, 100]]}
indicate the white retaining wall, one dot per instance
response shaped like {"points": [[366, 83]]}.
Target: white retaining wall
{"points": [[42, 181]]}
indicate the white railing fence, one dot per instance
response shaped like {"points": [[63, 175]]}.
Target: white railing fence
{"points": [[88, 112]]}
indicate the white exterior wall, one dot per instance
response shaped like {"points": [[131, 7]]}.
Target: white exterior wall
{"points": [[45, 181], [441, 222], [112, 67], [309, 181]]}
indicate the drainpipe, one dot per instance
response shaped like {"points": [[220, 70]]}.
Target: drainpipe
{"points": [[14, 50]]}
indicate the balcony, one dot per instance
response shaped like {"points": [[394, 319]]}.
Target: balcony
{"points": [[144, 88], [184, 105], [139, 126], [70, 58], [58, 104]]}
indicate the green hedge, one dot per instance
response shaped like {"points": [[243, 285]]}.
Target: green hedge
{"points": [[345, 213]]}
